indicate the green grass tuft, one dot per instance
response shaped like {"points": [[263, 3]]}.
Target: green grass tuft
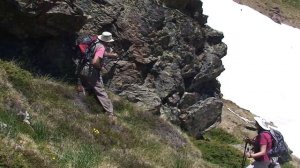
{"points": [[218, 149], [41, 132], [222, 136], [224, 155], [20, 79], [287, 165], [181, 159], [86, 155], [14, 125], [122, 106], [293, 3], [128, 160]]}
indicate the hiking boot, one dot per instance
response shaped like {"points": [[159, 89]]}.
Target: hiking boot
{"points": [[80, 90], [112, 119]]}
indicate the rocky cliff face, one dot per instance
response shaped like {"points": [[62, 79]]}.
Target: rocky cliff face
{"points": [[172, 61]]}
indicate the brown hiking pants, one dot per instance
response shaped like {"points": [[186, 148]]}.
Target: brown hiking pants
{"points": [[94, 82]]}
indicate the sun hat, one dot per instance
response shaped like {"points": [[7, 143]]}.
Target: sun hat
{"points": [[106, 37], [262, 123]]}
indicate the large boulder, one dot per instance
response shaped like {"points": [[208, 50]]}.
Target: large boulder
{"points": [[200, 116], [209, 67], [144, 97], [168, 78]]}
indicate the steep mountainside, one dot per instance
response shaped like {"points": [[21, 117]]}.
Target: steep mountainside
{"points": [[170, 61], [65, 130], [172, 57]]}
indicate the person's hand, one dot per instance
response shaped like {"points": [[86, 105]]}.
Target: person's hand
{"points": [[111, 54], [110, 50], [249, 154], [115, 55]]}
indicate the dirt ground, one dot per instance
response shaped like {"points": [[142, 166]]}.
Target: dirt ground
{"points": [[236, 120]]}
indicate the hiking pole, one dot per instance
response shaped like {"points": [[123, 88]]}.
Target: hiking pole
{"points": [[123, 56], [116, 61], [244, 157]]}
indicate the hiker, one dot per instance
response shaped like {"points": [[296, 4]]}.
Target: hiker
{"points": [[93, 80], [262, 143]]}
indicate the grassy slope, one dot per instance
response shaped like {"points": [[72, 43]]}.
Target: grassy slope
{"points": [[68, 131], [71, 131]]}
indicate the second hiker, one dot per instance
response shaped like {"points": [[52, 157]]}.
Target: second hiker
{"points": [[262, 143], [89, 77]]}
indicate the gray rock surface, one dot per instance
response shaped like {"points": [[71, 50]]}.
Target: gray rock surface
{"points": [[200, 116]]}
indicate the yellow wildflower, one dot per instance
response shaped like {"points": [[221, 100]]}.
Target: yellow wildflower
{"points": [[96, 131]]}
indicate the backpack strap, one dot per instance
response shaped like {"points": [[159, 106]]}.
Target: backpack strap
{"points": [[87, 60], [267, 138]]}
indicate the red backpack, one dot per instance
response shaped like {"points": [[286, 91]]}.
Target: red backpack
{"points": [[86, 45]]}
